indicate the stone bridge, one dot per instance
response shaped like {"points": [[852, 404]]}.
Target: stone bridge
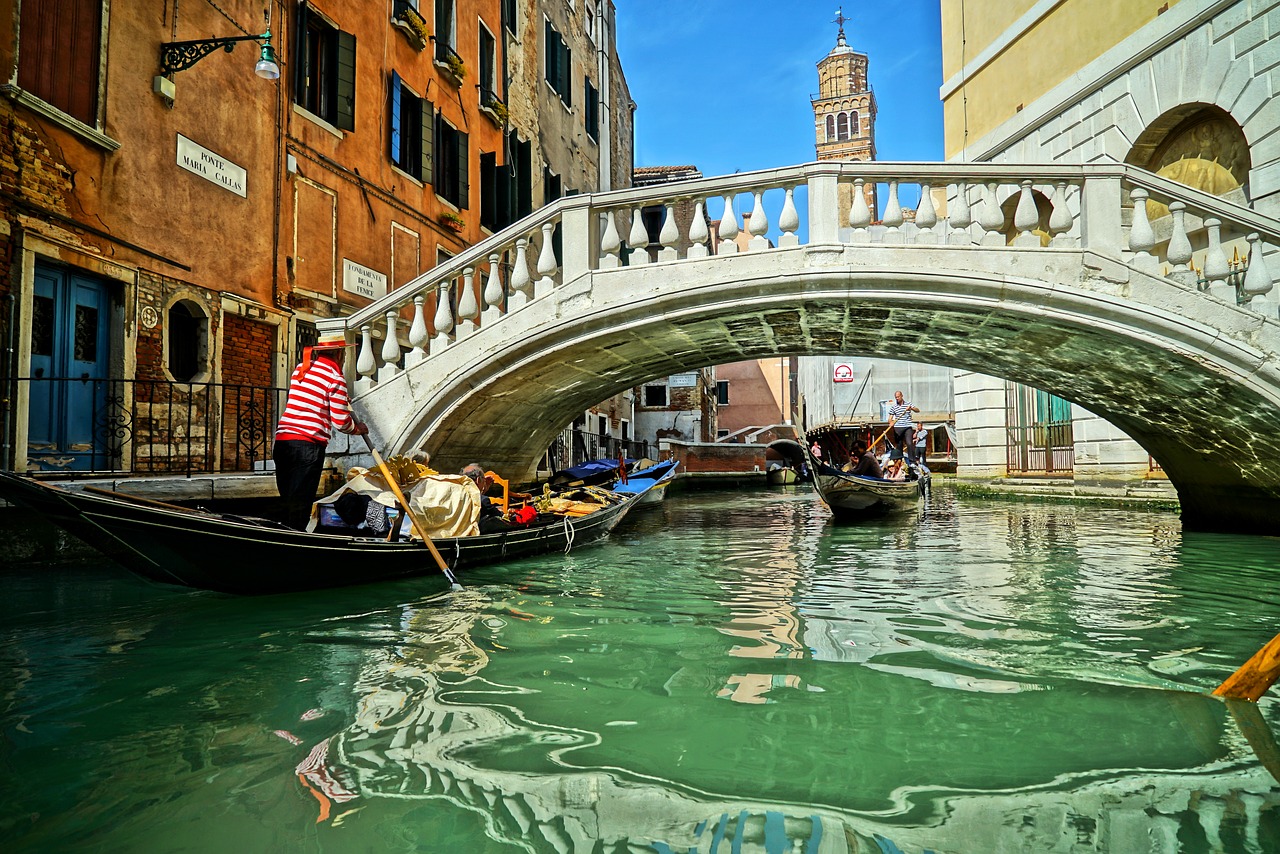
{"points": [[1144, 301]]}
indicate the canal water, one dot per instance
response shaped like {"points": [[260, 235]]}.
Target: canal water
{"points": [[730, 672]]}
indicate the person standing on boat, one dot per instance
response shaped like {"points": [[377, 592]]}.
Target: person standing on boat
{"points": [[317, 405], [900, 415], [921, 440]]}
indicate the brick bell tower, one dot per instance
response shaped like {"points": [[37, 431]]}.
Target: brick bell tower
{"points": [[844, 110]]}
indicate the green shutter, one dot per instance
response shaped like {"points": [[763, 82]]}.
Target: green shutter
{"points": [[300, 59], [566, 74], [428, 141], [464, 160], [346, 117]]}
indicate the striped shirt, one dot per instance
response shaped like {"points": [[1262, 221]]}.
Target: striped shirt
{"points": [[900, 414], [317, 403]]}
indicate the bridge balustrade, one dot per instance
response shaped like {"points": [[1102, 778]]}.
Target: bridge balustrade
{"points": [[1131, 216]]}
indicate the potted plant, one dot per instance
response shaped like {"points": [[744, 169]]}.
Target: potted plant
{"points": [[413, 25], [498, 109], [456, 67], [452, 221]]}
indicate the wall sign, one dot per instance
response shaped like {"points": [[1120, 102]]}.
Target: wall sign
{"points": [[359, 279], [843, 373], [689, 380], [196, 158]]}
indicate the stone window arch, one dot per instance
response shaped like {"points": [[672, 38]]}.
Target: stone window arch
{"points": [[1198, 145], [853, 123], [842, 126], [186, 342], [831, 128]]}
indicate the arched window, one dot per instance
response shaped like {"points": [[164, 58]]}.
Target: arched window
{"points": [[186, 342], [831, 128], [1198, 145], [842, 126], [853, 123]]}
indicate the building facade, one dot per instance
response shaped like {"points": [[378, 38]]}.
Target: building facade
{"points": [[1184, 89], [174, 223]]}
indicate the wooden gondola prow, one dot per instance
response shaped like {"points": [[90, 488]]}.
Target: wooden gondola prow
{"points": [[1255, 676]]}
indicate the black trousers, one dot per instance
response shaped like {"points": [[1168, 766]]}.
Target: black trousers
{"points": [[298, 467], [903, 439]]}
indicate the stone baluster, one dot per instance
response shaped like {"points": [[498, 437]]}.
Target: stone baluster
{"points": [[610, 243], [1142, 238], [418, 334], [366, 364], [390, 348], [789, 221], [1256, 288], [521, 281], [547, 265], [859, 213], [669, 237], [758, 225], [1060, 219], [494, 293], [893, 218], [1179, 252], [1026, 216], [991, 218], [926, 217], [1216, 268], [638, 240], [468, 305], [699, 234], [959, 218], [728, 228], [443, 320]]}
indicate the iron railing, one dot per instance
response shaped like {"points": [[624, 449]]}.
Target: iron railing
{"points": [[574, 447], [148, 426]]}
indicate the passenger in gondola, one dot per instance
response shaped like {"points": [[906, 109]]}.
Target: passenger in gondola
{"points": [[491, 519], [866, 465]]}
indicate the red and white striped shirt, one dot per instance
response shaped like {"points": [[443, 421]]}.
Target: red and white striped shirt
{"points": [[317, 403]]}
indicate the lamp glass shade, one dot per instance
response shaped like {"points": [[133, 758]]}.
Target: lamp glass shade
{"points": [[266, 67]]}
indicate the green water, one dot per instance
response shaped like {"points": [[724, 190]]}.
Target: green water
{"points": [[729, 672]]}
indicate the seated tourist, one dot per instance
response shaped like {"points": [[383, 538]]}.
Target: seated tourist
{"points": [[866, 464], [491, 519]]}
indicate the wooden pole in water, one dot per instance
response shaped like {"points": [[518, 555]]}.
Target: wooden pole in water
{"points": [[1255, 676]]}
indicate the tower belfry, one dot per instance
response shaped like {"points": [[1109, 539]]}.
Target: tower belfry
{"points": [[844, 110]]}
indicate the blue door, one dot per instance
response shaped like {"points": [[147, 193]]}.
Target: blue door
{"points": [[70, 343]]}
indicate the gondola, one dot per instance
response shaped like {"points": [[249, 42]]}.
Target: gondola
{"points": [[242, 555], [650, 483], [851, 497]]}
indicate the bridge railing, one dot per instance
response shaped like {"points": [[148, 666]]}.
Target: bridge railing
{"points": [[1133, 216]]}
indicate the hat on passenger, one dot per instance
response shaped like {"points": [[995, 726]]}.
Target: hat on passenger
{"points": [[333, 339]]}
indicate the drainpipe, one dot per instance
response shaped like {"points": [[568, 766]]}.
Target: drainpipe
{"points": [[10, 380]]}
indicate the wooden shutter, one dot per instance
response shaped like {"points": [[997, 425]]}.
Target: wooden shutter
{"points": [[566, 74], [58, 63], [346, 106], [428, 141], [300, 58], [464, 161], [552, 50], [396, 131]]}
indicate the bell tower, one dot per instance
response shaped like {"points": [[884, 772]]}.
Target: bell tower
{"points": [[844, 111]]}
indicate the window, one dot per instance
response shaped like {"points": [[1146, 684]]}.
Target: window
{"points": [[186, 340], [59, 55], [412, 126], [604, 425], [325, 70], [591, 111], [510, 15], [559, 62], [487, 78], [655, 395], [722, 392], [450, 175], [853, 123], [831, 128], [842, 126], [590, 21], [446, 29]]}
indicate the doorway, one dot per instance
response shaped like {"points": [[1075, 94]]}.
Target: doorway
{"points": [[70, 353]]}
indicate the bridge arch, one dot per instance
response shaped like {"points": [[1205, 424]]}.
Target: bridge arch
{"points": [[1181, 370]]}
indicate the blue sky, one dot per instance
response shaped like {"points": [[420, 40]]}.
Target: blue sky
{"points": [[726, 86]]}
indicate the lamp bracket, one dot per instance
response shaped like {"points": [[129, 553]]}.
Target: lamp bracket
{"points": [[178, 56]]}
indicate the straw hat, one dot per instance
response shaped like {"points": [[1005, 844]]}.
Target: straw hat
{"points": [[333, 339]]}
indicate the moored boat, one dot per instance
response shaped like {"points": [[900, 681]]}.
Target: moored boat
{"points": [[244, 555], [849, 496], [781, 476], [649, 483]]}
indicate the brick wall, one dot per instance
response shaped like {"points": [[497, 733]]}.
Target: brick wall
{"points": [[248, 349], [28, 173], [706, 457]]}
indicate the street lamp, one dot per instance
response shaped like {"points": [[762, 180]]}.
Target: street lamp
{"points": [[178, 56]]}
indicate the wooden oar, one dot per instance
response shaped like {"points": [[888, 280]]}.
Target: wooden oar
{"points": [[408, 511], [1255, 676]]}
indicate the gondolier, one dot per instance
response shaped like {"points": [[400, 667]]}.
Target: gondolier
{"points": [[317, 405], [903, 428]]}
